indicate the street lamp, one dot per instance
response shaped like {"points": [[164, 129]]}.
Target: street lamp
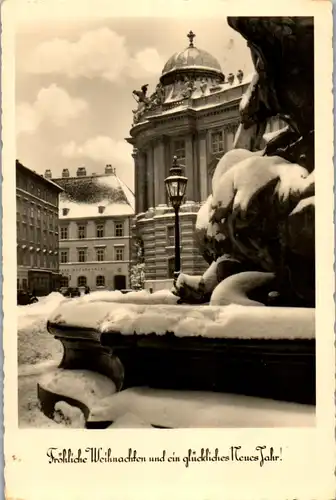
{"points": [[176, 185]]}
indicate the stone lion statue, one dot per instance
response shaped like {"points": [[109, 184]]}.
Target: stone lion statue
{"points": [[257, 228]]}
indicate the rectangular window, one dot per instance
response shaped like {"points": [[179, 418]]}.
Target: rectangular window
{"points": [[64, 256], [64, 232], [119, 253], [38, 213], [19, 257], [32, 212], [32, 233], [81, 231], [119, 229], [100, 230], [171, 267], [217, 141], [179, 150], [82, 255], [170, 235], [24, 231], [100, 254]]}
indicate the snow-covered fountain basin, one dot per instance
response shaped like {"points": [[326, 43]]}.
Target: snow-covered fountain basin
{"points": [[147, 340]]}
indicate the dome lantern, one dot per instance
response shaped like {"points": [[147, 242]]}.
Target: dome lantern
{"points": [[191, 37]]}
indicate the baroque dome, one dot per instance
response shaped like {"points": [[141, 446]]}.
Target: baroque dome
{"points": [[192, 59]]}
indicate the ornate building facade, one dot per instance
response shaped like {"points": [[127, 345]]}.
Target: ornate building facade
{"points": [[193, 114], [37, 201], [94, 230]]}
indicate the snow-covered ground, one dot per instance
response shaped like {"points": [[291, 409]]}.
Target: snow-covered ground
{"points": [[35, 344], [39, 354]]}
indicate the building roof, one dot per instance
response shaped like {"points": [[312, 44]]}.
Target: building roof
{"points": [[82, 197], [52, 185], [192, 59]]}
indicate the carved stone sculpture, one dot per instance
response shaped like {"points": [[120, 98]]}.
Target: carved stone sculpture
{"points": [[258, 225], [188, 89]]}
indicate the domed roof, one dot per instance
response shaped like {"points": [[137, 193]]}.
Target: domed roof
{"points": [[192, 58]]}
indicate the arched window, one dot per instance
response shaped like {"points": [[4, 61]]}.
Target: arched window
{"points": [[81, 281], [64, 281], [100, 281]]}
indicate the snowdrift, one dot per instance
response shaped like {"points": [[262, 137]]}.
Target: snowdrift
{"points": [[34, 342]]}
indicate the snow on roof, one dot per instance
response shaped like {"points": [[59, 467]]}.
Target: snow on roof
{"points": [[82, 197], [129, 194], [144, 313]]}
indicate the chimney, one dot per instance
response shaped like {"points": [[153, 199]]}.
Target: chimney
{"points": [[47, 174], [101, 209], [231, 78], [110, 170], [240, 75], [81, 172], [65, 211], [65, 172]]}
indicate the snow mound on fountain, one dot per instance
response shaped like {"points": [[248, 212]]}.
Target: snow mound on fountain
{"points": [[232, 321], [143, 407], [136, 297]]}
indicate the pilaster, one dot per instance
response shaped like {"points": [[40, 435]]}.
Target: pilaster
{"points": [[150, 176], [203, 174], [189, 167], [159, 171]]}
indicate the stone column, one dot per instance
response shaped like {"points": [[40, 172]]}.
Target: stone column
{"points": [[196, 167], [168, 164], [142, 183], [150, 176], [189, 167], [230, 131], [159, 171], [137, 175], [203, 174]]}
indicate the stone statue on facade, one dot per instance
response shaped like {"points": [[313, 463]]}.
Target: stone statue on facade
{"points": [[143, 102], [188, 89], [230, 78], [157, 98], [257, 228], [203, 86]]}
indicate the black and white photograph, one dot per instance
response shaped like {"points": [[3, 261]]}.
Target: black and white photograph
{"points": [[166, 265], [166, 223]]}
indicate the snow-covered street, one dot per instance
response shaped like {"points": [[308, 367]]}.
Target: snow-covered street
{"points": [[38, 351]]}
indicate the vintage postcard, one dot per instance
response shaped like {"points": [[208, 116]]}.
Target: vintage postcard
{"points": [[168, 250]]}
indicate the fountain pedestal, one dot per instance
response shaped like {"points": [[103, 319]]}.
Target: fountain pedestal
{"points": [[248, 351]]}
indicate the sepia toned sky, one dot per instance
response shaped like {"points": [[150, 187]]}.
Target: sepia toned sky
{"points": [[74, 83]]}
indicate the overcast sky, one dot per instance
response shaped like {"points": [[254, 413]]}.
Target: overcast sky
{"points": [[74, 84]]}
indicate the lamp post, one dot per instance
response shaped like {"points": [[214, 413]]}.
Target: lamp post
{"points": [[176, 185]]}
